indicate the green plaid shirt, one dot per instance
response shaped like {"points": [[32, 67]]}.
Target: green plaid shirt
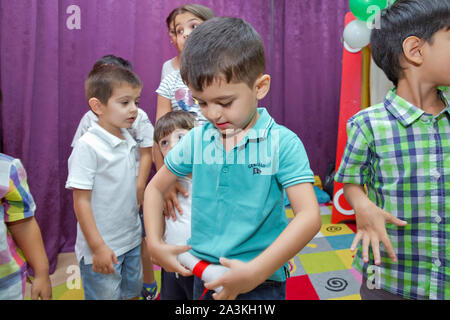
{"points": [[402, 155]]}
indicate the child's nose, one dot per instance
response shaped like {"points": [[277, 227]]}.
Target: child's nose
{"points": [[133, 108], [187, 32], [172, 143], [214, 112]]}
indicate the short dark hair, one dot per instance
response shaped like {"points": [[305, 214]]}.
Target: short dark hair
{"points": [[197, 10], [168, 123], [102, 79], [112, 59], [420, 18], [222, 46]]}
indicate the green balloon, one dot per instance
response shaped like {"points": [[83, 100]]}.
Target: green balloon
{"points": [[364, 9], [445, 89]]}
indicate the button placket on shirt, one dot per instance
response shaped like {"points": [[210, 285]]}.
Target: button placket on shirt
{"points": [[434, 198]]}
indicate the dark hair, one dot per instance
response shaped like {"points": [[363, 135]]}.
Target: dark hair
{"points": [[178, 119], [222, 46], [103, 78], [197, 10], [112, 59], [420, 18]]}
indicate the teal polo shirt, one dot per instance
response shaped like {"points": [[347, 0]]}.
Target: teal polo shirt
{"points": [[237, 197]]}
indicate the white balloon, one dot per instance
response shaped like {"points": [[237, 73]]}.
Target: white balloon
{"points": [[357, 34], [350, 49]]}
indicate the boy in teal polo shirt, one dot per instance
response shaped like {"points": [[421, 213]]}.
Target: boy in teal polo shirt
{"points": [[240, 163]]}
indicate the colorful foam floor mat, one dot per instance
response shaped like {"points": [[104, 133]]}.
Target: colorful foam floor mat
{"points": [[321, 271]]}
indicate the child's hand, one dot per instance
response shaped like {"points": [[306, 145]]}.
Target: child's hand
{"points": [[371, 229], [41, 288], [165, 255], [102, 260], [239, 279], [171, 200]]}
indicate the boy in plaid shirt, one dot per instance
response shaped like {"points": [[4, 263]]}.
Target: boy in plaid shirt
{"points": [[400, 150]]}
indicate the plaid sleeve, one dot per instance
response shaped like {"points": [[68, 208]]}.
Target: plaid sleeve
{"points": [[19, 203], [354, 167]]}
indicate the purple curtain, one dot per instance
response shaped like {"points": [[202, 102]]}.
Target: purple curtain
{"points": [[44, 61]]}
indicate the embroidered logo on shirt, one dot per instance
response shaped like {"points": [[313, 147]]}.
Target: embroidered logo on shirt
{"points": [[256, 171], [255, 168]]}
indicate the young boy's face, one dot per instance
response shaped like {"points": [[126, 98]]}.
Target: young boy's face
{"points": [[437, 58], [231, 107], [121, 109], [168, 142]]}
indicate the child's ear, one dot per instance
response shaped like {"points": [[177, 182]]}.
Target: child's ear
{"points": [[96, 106], [262, 85], [413, 50]]}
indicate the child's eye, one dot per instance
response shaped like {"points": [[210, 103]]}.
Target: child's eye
{"points": [[163, 143], [180, 31], [226, 104], [124, 103], [180, 136]]}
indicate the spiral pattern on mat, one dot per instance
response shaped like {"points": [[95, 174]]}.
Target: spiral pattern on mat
{"points": [[336, 284]]}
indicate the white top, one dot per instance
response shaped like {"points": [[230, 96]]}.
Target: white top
{"points": [[173, 88], [105, 164], [141, 130], [167, 68], [179, 231]]}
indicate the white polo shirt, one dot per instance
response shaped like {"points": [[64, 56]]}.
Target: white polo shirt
{"points": [[141, 130], [105, 164], [179, 231]]}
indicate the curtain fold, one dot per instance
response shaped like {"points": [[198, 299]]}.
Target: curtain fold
{"points": [[43, 64]]}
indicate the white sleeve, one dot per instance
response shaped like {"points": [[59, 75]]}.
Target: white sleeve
{"points": [[167, 69], [144, 131], [165, 88], [82, 167], [83, 126]]}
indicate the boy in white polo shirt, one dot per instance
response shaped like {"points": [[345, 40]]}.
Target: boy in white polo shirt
{"points": [[240, 161], [102, 175]]}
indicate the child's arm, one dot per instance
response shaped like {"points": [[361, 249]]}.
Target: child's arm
{"points": [[102, 256], [27, 236], [371, 223], [244, 277], [165, 255], [145, 166]]}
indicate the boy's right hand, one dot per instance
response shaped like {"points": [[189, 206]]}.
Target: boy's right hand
{"points": [[166, 256], [171, 200], [102, 260], [371, 229]]}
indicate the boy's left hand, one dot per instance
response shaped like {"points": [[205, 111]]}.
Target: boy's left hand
{"points": [[241, 278]]}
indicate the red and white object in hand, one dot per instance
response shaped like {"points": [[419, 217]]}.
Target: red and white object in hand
{"points": [[200, 268]]}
